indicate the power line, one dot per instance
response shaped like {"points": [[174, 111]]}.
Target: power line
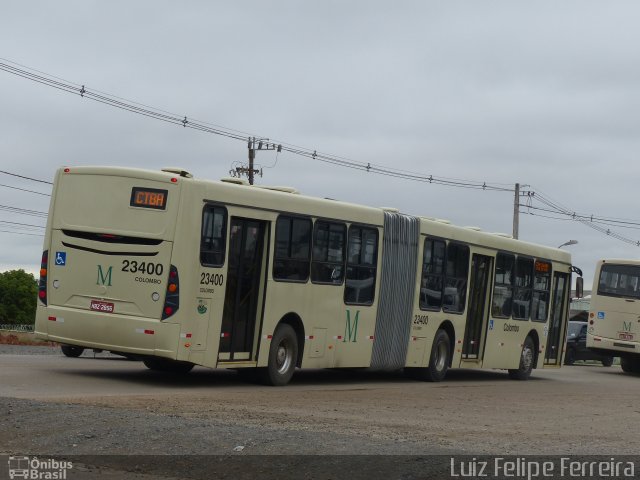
{"points": [[180, 120], [556, 207], [25, 190], [23, 233], [18, 224], [23, 211], [26, 178]]}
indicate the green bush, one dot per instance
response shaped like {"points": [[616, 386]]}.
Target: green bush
{"points": [[18, 297]]}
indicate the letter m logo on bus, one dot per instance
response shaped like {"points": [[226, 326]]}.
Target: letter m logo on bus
{"points": [[104, 279], [351, 329]]}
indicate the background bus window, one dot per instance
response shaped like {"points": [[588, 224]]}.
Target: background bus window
{"points": [[503, 287], [456, 275], [293, 249], [619, 281], [361, 265], [541, 288], [327, 265], [432, 281], [524, 284], [212, 239]]}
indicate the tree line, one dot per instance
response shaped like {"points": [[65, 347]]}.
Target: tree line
{"points": [[18, 297]]}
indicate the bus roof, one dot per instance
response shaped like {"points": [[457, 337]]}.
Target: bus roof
{"points": [[287, 199]]}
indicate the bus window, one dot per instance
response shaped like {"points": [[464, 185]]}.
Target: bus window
{"points": [[524, 283], [327, 264], [362, 260], [541, 288], [456, 275], [213, 235], [503, 289], [293, 249], [432, 279], [619, 280]]}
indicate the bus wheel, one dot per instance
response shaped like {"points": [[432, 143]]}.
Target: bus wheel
{"points": [[165, 365], [607, 361], [526, 361], [570, 357], [71, 350], [630, 365], [439, 358], [282, 357]]}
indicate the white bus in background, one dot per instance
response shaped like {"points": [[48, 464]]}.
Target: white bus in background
{"points": [[177, 272], [614, 316]]}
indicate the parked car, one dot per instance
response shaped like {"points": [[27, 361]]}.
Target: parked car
{"points": [[577, 345]]}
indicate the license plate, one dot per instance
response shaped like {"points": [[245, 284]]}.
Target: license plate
{"points": [[98, 306]]}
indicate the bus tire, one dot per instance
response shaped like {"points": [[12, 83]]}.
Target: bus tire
{"points": [[439, 358], [607, 361], [158, 364], [527, 357], [630, 364], [71, 351], [283, 354], [570, 357]]}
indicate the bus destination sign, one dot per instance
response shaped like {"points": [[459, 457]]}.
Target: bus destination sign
{"points": [[149, 198]]}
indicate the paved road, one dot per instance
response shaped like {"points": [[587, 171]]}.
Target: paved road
{"points": [[51, 404]]}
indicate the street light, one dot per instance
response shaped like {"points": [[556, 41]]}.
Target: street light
{"points": [[570, 242]]}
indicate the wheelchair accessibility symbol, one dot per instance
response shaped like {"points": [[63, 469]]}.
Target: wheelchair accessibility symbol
{"points": [[61, 258]]}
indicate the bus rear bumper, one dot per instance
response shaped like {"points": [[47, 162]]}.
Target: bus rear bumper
{"points": [[612, 346], [117, 333]]}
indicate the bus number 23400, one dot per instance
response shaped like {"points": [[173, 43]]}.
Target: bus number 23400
{"points": [[211, 279]]}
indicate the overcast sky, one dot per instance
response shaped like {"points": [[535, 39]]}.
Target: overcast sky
{"points": [[546, 94]]}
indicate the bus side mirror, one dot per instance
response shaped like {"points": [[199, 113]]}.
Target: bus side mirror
{"points": [[579, 287]]}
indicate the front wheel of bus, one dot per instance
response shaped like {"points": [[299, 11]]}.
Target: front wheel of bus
{"points": [[71, 350], [283, 354], [527, 357]]}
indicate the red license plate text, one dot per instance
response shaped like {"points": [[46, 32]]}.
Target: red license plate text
{"points": [[98, 306]]}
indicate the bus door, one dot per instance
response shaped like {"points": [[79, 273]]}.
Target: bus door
{"points": [[555, 334], [245, 289], [478, 310]]}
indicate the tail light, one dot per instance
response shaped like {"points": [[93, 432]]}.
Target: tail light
{"points": [[172, 297], [42, 284]]}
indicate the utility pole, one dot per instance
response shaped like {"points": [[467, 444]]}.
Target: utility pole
{"points": [[250, 171], [252, 156], [516, 212]]}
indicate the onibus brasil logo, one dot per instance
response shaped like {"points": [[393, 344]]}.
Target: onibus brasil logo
{"points": [[36, 469]]}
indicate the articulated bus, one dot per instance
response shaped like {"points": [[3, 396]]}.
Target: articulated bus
{"points": [[614, 316], [176, 272]]}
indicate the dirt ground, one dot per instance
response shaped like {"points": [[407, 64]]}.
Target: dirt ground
{"points": [[52, 405]]}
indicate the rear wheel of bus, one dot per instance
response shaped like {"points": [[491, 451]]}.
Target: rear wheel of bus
{"points": [[71, 351], [283, 355], [527, 358], [630, 364]]}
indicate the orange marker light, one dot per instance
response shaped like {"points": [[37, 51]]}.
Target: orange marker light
{"points": [[43, 272], [172, 287]]}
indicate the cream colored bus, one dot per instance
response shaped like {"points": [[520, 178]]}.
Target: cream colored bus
{"points": [[178, 272], [614, 313]]}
